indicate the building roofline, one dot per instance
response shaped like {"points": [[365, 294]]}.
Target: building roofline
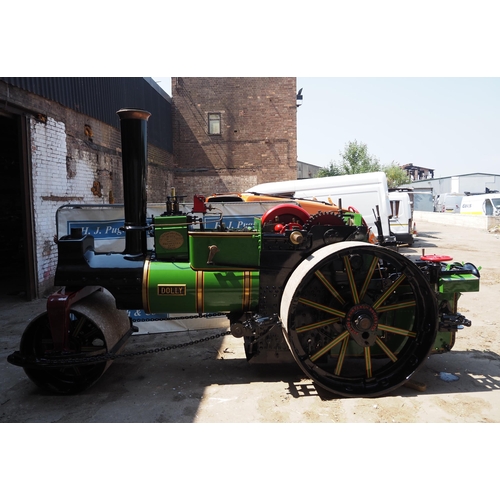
{"points": [[458, 175], [158, 88]]}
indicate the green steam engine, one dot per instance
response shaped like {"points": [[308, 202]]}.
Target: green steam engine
{"points": [[358, 318]]}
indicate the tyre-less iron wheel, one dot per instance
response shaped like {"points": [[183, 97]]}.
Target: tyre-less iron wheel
{"points": [[359, 319], [95, 327]]}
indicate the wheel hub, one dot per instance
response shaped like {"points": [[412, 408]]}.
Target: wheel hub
{"points": [[362, 322]]}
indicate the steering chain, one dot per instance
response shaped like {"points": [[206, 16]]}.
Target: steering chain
{"points": [[78, 361]]}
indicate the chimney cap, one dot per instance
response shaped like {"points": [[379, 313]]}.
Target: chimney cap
{"points": [[133, 114]]}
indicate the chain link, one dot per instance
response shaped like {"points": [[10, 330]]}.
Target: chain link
{"points": [[106, 357], [192, 316]]}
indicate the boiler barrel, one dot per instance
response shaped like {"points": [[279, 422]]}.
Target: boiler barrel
{"points": [[177, 288]]}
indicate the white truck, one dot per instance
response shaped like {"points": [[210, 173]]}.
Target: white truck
{"points": [[367, 193]]}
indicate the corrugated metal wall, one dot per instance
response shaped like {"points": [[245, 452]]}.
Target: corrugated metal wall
{"points": [[101, 98], [474, 183]]}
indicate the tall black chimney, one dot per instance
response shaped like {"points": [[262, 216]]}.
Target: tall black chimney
{"points": [[134, 164]]}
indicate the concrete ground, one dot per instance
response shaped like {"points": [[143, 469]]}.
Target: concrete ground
{"points": [[211, 382]]}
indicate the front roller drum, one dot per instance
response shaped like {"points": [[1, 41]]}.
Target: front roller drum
{"points": [[359, 319], [96, 328]]}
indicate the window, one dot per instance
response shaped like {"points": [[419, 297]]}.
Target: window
{"points": [[214, 124]]}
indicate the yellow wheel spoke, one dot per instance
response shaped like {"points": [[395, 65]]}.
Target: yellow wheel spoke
{"points": [[398, 331], [350, 276], [394, 307], [329, 346], [368, 362], [388, 292], [321, 307], [384, 348], [319, 324], [368, 278], [329, 286], [340, 361]]}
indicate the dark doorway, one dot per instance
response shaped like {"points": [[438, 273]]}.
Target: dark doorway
{"points": [[16, 269]]}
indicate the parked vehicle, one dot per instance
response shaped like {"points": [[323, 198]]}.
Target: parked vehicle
{"points": [[366, 193], [448, 202], [481, 204], [401, 220], [238, 214]]}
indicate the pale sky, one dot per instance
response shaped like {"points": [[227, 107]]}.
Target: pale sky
{"points": [[451, 125], [417, 82]]}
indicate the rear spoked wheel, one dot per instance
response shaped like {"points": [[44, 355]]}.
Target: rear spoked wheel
{"points": [[359, 319]]}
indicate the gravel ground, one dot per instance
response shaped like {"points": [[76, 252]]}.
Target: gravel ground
{"points": [[212, 383]]}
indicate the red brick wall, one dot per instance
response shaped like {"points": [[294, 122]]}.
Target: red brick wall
{"points": [[258, 140]]}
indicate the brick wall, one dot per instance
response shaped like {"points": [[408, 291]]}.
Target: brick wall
{"points": [[258, 139], [51, 187], [74, 160], [77, 159]]}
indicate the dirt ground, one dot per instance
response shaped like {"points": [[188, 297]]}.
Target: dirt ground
{"points": [[211, 382]]}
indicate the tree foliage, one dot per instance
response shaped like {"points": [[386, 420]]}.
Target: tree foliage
{"points": [[395, 176], [355, 159]]}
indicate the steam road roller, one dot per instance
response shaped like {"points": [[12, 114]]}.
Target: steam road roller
{"points": [[358, 318]]}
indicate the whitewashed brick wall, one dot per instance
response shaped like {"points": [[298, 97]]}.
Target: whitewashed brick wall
{"points": [[54, 186]]}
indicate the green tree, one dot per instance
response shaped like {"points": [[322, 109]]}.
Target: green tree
{"points": [[395, 176], [353, 160]]}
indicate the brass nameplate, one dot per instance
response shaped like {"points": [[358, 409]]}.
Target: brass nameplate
{"points": [[171, 240], [172, 290]]}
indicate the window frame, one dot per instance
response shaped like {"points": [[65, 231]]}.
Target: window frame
{"points": [[214, 117]]}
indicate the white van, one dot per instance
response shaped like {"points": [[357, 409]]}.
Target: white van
{"points": [[448, 202], [401, 221], [367, 193], [481, 204]]}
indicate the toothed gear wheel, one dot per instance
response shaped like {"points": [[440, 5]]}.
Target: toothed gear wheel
{"points": [[324, 219]]}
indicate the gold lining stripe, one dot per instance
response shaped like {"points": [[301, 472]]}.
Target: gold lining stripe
{"points": [[388, 292], [342, 353], [368, 362], [145, 285], [397, 331], [395, 307], [321, 307], [200, 290], [329, 286], [220, 268], [319, 324], [247, 290], [216, 234], [368, 278], [350, 276], [329, 346], [384, 348]]}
